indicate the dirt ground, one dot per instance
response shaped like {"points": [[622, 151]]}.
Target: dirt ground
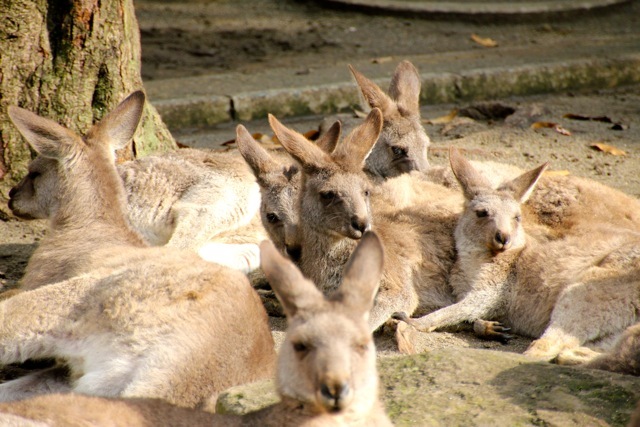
{"points": [[193, 37], [186, 39]]}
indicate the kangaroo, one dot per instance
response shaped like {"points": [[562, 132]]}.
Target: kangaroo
{"points": [[566, 292], [624, 357], [561, 202], [403, 143], [326, 372], [335, 210], [139, 321], [279, 179], [188, 199]]}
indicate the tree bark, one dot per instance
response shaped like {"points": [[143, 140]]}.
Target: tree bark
{"points": [[71, 61]]}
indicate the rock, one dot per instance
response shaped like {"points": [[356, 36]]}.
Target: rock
{"points": [[247, 398], [474, 387]]}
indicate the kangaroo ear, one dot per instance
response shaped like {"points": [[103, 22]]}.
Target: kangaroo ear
{"points": [[257, 157], [47, 137], [522, 186], [294, 291], [470, 180], [362, 275], [329, 140], [405, 88], [355, 148], [310, 156], [372, 94], [117, 127]]}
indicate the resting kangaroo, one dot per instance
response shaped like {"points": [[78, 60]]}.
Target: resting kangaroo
{"points": [[560, 202], [326, 369], [566, 292], [279, 179], [335, 211], [138, 321], [187, 199]]}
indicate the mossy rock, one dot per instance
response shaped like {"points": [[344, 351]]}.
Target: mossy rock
{"points": [[473, 387]]}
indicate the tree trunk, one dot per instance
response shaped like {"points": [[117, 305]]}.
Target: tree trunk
{"points": [[71, 61]]}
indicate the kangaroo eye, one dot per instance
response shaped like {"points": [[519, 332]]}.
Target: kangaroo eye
{"points": [[300, 347], [367, 193], [327, 196], [518, 218], [272, 218], [398, 151], [482, 213]]}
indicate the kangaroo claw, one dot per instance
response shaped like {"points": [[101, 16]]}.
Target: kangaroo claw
{"points": [[493, 331]]}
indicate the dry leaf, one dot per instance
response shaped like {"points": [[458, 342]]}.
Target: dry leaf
{"points": [[382, 59], [609, 149], [556, 173], [551, 125], [484, 41], [229, 142], [443, 119], [359, 113], [312, 135]]}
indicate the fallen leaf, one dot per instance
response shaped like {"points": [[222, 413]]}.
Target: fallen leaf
{"points": [[229, 142], [484, 41], [443, 119], [487, 111], [359, 113], [382, 59], [557, 173], [609, 149], [551, 125], [312, 135]]}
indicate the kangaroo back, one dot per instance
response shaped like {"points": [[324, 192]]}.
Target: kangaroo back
{"points": [[326, 370], [142, 321]]}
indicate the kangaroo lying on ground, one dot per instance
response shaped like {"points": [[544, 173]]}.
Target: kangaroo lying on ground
{"points": [[326, 370], [279, 179], [138, 321], [566, 292], [187, 199], [335, 211]]}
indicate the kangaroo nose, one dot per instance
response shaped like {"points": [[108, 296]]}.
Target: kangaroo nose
{"points": [[12, 192], [502, 238], [335, 393], [294, 252], [359, 224]]}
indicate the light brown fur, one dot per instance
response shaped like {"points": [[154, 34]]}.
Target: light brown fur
{"points": [[326, 371], [142, 321], [187, 199], [567, 292], [560, 202], [335, 210]]}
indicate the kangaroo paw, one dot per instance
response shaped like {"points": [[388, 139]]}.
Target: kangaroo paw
{"points": [[493, 331]]}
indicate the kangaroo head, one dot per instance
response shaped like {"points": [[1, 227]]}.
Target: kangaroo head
{"points": [[280, 181], [36, 196], [335, 192], [72, 170], [402, 146], [327, 361], [492, 218]]}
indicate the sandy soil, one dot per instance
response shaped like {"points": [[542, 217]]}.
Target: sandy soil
{"points": [[193, 37]]}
